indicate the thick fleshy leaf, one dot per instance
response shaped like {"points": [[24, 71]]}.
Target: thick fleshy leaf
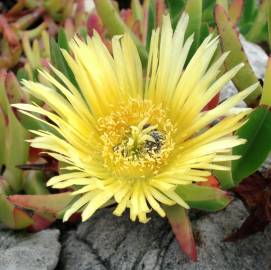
{"points": [[6, 212], [21, 219], [94, 23], [194, 10], [175, 9], [53, 204], [30, 123], [208, 11], [4, 187], [14, 90], [223, 3], [160, 11], [12, 216], [230, 42], [15, 149], [250, 8], [62, 39], [151, 21], [204, 198], [204, 31], [266, 95], [34, 183], [225, 177], [40, 223], [59, 62], [182, 229], [252, 191], [3, 121], [116, 26], [255, 31], [137, 10], [269, 22], [211, 182], [257, 132], [235, 10]]}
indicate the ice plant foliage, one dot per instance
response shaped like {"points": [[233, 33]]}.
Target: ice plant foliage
{"points": [[132, 139]]}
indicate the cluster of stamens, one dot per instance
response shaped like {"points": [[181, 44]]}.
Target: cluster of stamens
{"points": [[143, 139], [137, 139]]}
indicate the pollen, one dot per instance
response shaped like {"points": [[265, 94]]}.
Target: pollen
{"points": [[137, 139]]}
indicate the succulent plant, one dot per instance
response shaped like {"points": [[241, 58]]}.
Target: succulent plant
{"points": [[36, 34]]}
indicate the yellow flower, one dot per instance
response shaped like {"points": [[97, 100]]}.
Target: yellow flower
{"points": [[131, 139]]}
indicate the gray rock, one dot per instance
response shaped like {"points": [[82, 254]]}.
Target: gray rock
{"points": [[109, 242], [258, 61], [256, 57], [24, 251]]}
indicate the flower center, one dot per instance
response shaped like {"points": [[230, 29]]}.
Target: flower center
{"points": [[143, 139], [136, 139]]}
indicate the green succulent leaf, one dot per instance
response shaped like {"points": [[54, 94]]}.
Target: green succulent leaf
{"points": [[194, 10], [257, 132], [175, 8], [204, 32], [34, 183], [2, 136], [137, 10], [116, 26], [182, 229], [250, 10], [4, 187], [225, 177], [203, 197], [22, 74], [59, 62], [230, 42], [14, 148], [30, 123], [151, 21], [268, 10], [62, 39], [254, 33], [208, 11], [266, 95], [13, 217]]}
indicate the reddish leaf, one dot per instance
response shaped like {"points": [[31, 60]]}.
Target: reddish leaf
{"points": [[182, 229], [40, 223], [252, 189], [211, 182], [52, 204], [212, 104], [235, 10], [127, 16], [76, 217], [94, 23], [8, 33], [34, 154], [255, 192], [160, 11]]}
